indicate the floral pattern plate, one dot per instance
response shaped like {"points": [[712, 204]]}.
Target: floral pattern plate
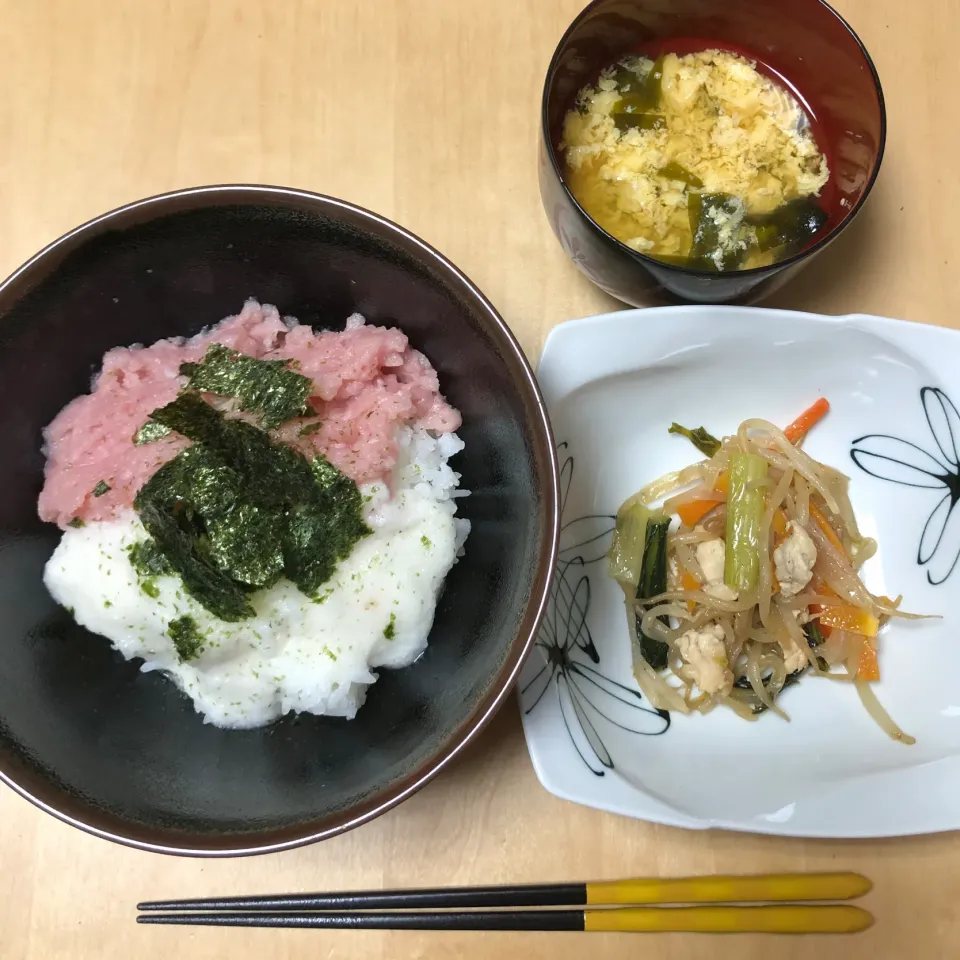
{"points": [[613, 385]]}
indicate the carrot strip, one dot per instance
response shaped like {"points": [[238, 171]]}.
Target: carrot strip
{"points": [[851, 618], [692, 513], [811, 416], [779, 523], [824, 524], [689, 582], [868, 668]]}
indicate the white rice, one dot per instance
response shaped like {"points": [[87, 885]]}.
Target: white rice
{"points": [[296, 654]]}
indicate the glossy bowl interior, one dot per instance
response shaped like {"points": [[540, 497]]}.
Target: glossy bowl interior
{"points": [[804, 44], [87, 736]]}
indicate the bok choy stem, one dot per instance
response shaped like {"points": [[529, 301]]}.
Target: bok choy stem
{"points": [[745, 505]]}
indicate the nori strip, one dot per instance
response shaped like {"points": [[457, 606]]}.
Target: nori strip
{"points": [[149, 432], [186, 638], [267, 387], [201, 579], [238, 508], [147, 560]]}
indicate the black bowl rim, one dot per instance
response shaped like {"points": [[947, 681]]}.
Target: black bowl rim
{"points": [[211, 846], [686, 271]]}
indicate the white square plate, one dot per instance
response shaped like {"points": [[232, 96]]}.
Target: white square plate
{"points": [[613, 384]]}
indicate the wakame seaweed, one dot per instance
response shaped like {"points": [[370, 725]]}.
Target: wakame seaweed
{"points": [[237, 510], [101, 488], [266, 387]]}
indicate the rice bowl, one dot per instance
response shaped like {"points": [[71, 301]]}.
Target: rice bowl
{"points": [[297, 649]]}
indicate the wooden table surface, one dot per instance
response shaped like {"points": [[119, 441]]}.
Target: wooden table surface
{"points": [[426, 111]]}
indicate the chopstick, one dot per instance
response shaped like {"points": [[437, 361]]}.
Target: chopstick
{"points": [[705, 919], [775, 888]]}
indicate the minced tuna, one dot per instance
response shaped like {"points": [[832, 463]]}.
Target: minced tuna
{"points": [[368, 382]]}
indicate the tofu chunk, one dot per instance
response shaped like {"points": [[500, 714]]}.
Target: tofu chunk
{"points": [[794, 560], [703, 650]]}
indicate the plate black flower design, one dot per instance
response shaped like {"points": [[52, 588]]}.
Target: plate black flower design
{"points": [[588, 698], [900, 461]]}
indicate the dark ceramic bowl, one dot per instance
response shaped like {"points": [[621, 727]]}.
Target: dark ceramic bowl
{"points": [[84, 734], [805, 42]]}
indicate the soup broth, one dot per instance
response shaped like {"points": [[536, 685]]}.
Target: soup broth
{"points": [[700, 161]]}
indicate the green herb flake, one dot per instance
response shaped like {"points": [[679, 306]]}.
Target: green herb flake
{"points": [[266, 387], [76, 523], [101, 488], [107, 604], [149, 432], [426, 541], [390, 630], [150, 589], [186, 638], [705, 442], [310, 428]]}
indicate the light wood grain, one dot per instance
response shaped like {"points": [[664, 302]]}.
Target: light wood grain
{"points": [[426, 111]]}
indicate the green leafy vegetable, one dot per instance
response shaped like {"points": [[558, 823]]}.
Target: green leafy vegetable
{"points": [[625, 557], [149, 432], [266, 387], [101, 488], [76, 523], [390, 630], [814, 637], [653, 581], [745, 504], [307, 429], [186, 638], [705, 442]]}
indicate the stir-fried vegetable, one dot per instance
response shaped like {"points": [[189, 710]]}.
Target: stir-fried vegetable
{"points": [[765, 587], [745, 505], [705, 442], [807, 420], [653, 582], [625, 558], [849, 617]]}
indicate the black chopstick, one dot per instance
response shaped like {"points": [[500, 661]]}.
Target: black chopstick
{"points": [[768, 888], [526, 895], [790, 919], [476, 920]]}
